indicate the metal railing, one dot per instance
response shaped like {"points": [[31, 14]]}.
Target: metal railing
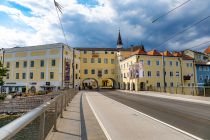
{"points": [[36, 124], [196, 90]]}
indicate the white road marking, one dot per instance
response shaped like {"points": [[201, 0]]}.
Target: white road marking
{"points": [[166, 124], [99, 121]]}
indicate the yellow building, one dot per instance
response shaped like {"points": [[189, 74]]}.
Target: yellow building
{"points": [[43, 67], [135, 69]]}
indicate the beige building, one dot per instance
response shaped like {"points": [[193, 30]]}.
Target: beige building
{"points": [[44, 67]]}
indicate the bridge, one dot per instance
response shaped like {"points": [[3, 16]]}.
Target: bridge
{"points": [[113, 115]]}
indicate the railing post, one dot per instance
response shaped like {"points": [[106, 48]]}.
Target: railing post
{"points": [[204, 91], [61, 106], [56, 114], [42, 126]]}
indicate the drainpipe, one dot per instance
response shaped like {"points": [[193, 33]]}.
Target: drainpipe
{"points": [[2, 66], [195, 83], [62, 65], [164, 74], [181, 74], [73, 67]]}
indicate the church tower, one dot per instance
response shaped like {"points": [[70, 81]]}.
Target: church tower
{"points": [[119, 41]]}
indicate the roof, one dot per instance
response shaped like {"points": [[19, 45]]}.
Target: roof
{"points": [[98, 49], [154, 53], [177, 54], [186, 57], [194, 51], [31, 48], [167, 53], [139, 52], [207, 50]]}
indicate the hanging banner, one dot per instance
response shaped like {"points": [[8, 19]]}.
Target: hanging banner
{"points": [[136, 70]]}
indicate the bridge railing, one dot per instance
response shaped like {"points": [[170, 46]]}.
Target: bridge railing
{"points": [[37, 123]]}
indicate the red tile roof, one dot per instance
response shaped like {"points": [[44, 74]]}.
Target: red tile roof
{"points": [[138, 52], [154, 52], [167, 53], [207, 50], [177, 54]]}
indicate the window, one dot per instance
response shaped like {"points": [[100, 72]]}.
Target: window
{"points": [[76, 66], [172, 84], [165, 84], [158, 84], [41, 63], [31, 75], [177, 63], [112, 52], [42, 75], [76, 76], [177, 74], [99, 60], [32, 63], [149, 73], [51, 75], [142, 62], [201, 77], [84, 60], [171, 74], [85, 71], [158, 73], [157, 63], [200, 68], [187, 64], [23, 75], [190, 64], [105, 71], [85, 52], [25, 64], [105, 60], [207, 77], [17, 75], [112, 61], [149, 62], [92, 60], [188, 84], [106, 52], [8, 64], [17, 64], [7, 76], [92, 71], [171, 63], [93, 52], [53, 63]]}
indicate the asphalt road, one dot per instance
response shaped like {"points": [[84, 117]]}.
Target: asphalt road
{"points": [[193, 118]]}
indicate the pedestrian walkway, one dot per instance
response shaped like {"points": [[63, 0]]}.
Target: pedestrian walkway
{"points": [[190, 98], [78, 122], [121, 122]]}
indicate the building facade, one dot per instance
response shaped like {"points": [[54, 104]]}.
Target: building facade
{"points": [[44, 67]]}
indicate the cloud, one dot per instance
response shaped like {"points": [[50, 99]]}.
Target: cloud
{"points": [[95, 23]]}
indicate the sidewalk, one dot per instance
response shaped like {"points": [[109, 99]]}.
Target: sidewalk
{"points": [[78, 122], [181, 97], [121, 122]]}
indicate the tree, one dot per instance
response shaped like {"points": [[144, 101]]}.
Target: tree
{"points": [[3, 72]]}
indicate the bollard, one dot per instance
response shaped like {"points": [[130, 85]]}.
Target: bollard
{"points": [[56, 113], [42, 126]]}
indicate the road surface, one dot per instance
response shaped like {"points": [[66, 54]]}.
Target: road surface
{"points": [[193, 118]]}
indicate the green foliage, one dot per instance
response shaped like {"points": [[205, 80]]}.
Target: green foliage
{"points": [[3, 72]]}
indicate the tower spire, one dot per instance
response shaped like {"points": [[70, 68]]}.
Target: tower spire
{"points": [[119, 41]]}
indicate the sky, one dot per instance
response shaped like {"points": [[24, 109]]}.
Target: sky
{"points": [[96, 23]]}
